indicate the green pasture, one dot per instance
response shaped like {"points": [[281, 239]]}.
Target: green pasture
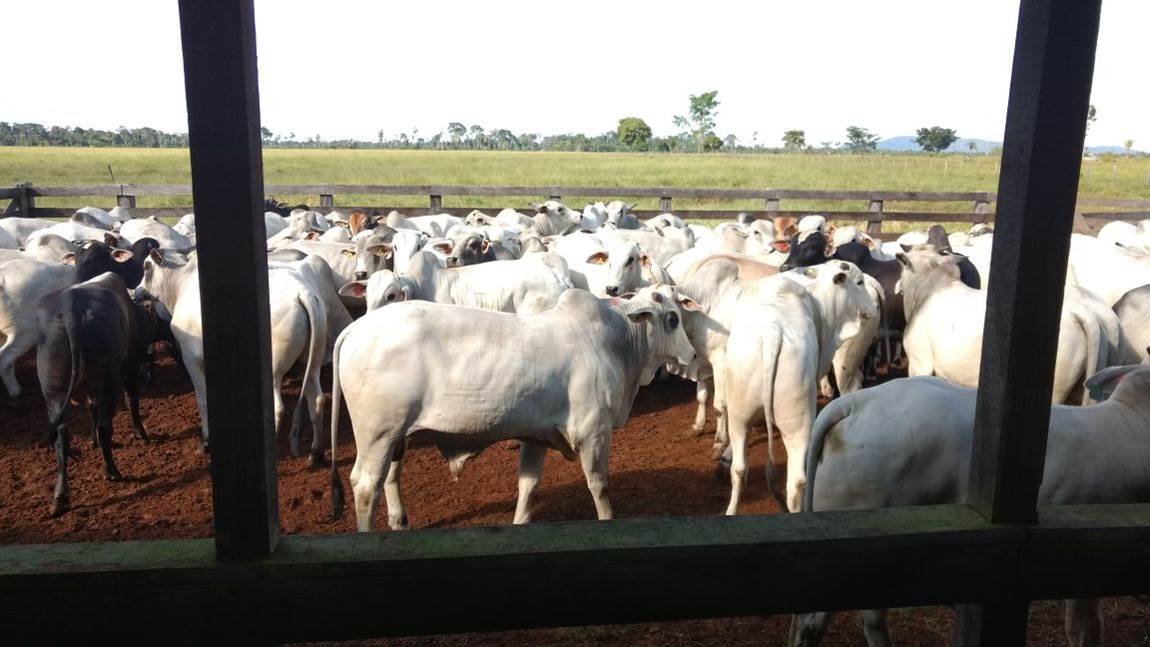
{"points": [[44, 166]]}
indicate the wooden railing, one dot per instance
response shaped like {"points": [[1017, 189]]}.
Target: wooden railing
{"points": [[23, 200]]}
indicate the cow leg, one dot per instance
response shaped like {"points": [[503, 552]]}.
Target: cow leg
{"points": [[594, 454], [807, 629], [317, 436], [531, 455], [396, 515], [105, 410], [875, 628], [1084, 622], [702, 393], [132, 394], [14, 347], [200, 386], [94, 410], [738, 439], [372, 464], [60, 495]]}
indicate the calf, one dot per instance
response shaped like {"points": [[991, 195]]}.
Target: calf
{"points": [[91, 335], [433, 375], [863, 457], [476, 248], [95, 258]]}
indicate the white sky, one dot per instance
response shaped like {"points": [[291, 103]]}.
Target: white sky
{"points": [[347, 69]]}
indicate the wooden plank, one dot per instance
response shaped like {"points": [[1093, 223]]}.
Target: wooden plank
{"points": [[577, 573], [562, 574], [541, 191], [1113, 202], [1116, 215], [665, 203], [227, 173], [1038, 185], [874, 224]]}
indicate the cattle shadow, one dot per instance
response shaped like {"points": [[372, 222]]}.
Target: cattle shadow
{"points": [[655, 492]]}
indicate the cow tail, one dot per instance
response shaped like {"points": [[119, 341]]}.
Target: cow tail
{"points": [[70, 321], [771, 348], [832, 414], [336, 483], [317, 322]]}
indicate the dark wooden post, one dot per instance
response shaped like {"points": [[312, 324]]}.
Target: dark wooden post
{"points": [[1041, 159], [665, 204], [126, 201], [219, 43], [326, 200], [772, 205], [981, 207], [25, 200], [436, 203], [874, 225]]}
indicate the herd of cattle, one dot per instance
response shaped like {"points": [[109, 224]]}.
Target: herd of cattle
{"points": [[541, 328]]}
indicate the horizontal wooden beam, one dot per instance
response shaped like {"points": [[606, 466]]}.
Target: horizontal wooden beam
{"points": [[533, 191], [579, 573]]}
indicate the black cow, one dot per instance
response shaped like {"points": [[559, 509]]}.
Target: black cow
{"points": [[92, 336], [475, 248], [811, 251], [95, 258], [282, 208]]}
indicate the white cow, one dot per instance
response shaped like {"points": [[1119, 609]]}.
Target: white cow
{"points": [[532, 284], [943, 336], [75, 232], [1133, 311], [608, 268], [660, 247], [22, 228], [435, 226], [22, 283], [299, 331], [151, 227], [433, 375], [777, 351], [1108, 271], [908, 442]]}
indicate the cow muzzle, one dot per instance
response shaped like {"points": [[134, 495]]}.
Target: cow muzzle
{"points": [[612, 290], [361, 276], [452, 261]]}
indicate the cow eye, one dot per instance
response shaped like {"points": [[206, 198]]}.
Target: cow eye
{"points": [[391, 297], [860, 281]]}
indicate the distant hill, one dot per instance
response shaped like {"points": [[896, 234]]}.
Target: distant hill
{"points": [[906, 143]]}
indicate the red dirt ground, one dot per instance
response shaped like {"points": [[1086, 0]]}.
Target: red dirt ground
{"points": [[656, 470]]}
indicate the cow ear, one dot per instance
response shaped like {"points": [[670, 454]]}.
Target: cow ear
{"points": [[122, 256], [350, 253], [110, 240], [868, 242], [598, 258], [68, 259], [645, 260], [829, 250], [903, 260], [380, 249], [687, 303], [486, 245], [354, 289], [1102, 384], [740, 233], [790, 231], [156, 257], [782, 246], [840, 278], [906, 248], [642, 315], [442, 247]]}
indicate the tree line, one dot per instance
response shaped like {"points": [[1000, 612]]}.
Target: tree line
{"points": [[697, 133]]}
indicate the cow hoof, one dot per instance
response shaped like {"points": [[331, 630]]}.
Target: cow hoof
{"points": [[315, 459], [143, 437], [205, 448], [59, 507], [696, 431], [401, 524], [114, 477]]}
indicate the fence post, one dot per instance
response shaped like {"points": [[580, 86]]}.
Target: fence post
{"points": [[874, 226], [665, 204], [556, 198], [126, 201], [436, 203], [772, 206], [326, 200], [25, 200]]}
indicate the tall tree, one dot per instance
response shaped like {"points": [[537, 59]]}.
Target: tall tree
{"points": [[457, 131], [634, 133], [794, 140], [1091, 117], [1128, 145], [861, 140], [935, 138], [700, 119]]}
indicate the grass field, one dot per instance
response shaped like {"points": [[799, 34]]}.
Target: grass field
{"points": [[1123, 178]]}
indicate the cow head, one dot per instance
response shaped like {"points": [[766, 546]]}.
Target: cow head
{"points": [[625, 263], [658, 308], [469, 250], [813, 250]]}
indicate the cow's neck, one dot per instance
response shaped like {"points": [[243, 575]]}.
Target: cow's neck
{"points": [[630, 347], [918, 286], [168, 283], [820, 304]]}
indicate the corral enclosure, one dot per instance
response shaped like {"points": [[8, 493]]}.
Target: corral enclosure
{"points": [[997, 552]]}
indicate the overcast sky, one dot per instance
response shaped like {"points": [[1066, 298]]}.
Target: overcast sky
{"points": [[347, 69]]}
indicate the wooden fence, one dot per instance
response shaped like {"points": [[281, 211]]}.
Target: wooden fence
{"points": [[23, 200]]}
